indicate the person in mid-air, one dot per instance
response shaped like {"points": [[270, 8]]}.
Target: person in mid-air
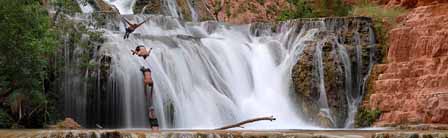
{"points": [[131, 27]]}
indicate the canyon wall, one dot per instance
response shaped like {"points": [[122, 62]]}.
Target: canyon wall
{"points": [[409, 3], [412, 86], [230, 11]]}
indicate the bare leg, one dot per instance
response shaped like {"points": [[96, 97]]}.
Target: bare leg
{"points": [[126, 35], [148, 78], [155, 129]]}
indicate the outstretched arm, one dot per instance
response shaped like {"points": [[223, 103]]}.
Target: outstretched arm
{"points": [[143, 22], [125, 20]]}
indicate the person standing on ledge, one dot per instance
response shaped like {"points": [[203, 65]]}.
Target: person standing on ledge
{"points": [[141, 51]]}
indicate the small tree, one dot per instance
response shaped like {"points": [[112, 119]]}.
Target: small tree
{"points": [[26, 44]]}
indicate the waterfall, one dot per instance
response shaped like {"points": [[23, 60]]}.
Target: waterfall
{"points": [[170, 8], [85, 6], [194, 15], [206, 75], [210, 74], [123, 6], [319, 72]]}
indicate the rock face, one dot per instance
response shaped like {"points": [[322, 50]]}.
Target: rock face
{"points": [[232, 11], [412, 87], [249, 11], [408, 3], [328, 75]]}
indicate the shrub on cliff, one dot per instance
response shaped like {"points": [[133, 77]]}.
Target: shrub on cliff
{"points": [[300, 9], [366, 117], [313, 9]]}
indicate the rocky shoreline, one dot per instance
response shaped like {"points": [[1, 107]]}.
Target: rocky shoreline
{"points": [[223, 134]]}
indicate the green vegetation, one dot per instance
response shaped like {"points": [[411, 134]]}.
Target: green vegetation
{"points": [[366, 117], [383, 18], [68, 6], [32, 63], [301, 9], [329, 8], [313, 9], [27, 41]]}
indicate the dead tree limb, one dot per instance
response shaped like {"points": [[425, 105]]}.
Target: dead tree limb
{"points": [[270, 118]]}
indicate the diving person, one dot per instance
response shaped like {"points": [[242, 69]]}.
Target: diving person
{"points": [[131, 27]]}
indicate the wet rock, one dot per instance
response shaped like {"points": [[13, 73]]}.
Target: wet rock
{"points": [[112, 134], [345, 62], [103, 6], [298, 135], [150, 6]]}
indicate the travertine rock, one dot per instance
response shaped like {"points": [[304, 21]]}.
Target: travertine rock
{"points": [[412, 87]]}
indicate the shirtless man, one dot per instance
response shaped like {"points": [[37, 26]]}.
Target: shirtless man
{"points": [[141, 51], [131, 27]]}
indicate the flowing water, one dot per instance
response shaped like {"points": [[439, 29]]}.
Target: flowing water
{"points": [[123, 6], [205, 79], [194, 15], [206, 74], [170, 8], [85, 6]]}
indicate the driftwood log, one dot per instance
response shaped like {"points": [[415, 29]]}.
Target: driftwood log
{"points": [[270, 118]]}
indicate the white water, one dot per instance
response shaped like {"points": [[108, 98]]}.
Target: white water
{"points": [[208, 74], [123, 6], [210, 79], [319, 71], [85, 7], [170, 7], [194, 15]]}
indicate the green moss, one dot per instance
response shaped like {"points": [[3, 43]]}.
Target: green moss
{"points": [[366, 117]]}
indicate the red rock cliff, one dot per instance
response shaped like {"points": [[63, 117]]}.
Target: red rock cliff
{"points": [[413, 86], [409, 3]]}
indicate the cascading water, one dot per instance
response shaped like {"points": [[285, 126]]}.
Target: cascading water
{"points": [[85, 7], [170, 8], [123, 6], [204, 79], [194, 15], [211, 74]]}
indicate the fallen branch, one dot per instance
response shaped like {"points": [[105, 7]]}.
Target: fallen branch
{"points": [[271, 118]]}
